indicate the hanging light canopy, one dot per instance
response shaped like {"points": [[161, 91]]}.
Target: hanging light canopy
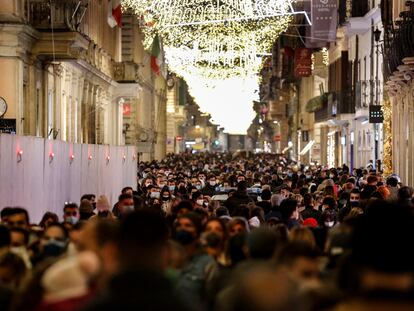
{"points": [[216, 45], [216, 38]]}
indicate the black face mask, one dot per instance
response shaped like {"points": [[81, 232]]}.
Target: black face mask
{"points": [[54, 248], [184, 237], [103, 214], [213, 239], [354, 203], [165, 198]]}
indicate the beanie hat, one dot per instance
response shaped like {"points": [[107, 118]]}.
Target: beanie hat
{"points": [[69, 277], [310, 222]]}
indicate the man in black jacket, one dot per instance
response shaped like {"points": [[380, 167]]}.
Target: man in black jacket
{"points": [[239, 197]]}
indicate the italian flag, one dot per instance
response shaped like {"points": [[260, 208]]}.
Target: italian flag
{"points": [[156, 56], [114, 13]]}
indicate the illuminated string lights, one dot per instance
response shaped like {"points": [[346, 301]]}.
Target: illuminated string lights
{"points": [[214, 45]]}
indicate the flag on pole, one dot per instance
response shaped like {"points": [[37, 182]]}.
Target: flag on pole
{"points": [[114, 13], [156, 56]]}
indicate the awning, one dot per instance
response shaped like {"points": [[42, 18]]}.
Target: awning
{"points": [[307, 148], [316, 103]]}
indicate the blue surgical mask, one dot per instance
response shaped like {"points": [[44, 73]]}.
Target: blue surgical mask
{"points": [[198, 187], [72, 219], [172, 188]]}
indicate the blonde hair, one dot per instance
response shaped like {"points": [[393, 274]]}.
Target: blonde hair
{"points": [[102, 203]]}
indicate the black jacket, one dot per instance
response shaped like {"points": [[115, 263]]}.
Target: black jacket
{"points": [[237, 199], [138, 290]]}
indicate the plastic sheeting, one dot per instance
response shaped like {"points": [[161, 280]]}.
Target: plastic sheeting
{"points": [[39, 182]]}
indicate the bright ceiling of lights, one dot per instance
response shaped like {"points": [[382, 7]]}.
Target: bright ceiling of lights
{"points": [[216, 46]]}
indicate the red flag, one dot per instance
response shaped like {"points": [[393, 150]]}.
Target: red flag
{"points": [[114, 13]]}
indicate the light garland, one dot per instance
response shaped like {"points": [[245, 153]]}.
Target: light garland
{"points": [[228, 34], [216, 46], [387, 126]]}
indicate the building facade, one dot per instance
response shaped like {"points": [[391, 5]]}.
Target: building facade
{"points": [[67, 75]]}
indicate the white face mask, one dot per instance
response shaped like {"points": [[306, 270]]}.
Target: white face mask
{"points": [[212, 183], [200, 202], [329, 224], [128, 209], [155, 195]]}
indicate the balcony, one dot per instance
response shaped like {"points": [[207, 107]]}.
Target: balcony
{"points": [[64, 15], [361, 94], [337, 103]]}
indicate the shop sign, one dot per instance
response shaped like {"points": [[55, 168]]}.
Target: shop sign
{"points": [[303, 62], [324, 20]]}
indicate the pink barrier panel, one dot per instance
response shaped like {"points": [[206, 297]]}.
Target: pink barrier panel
{"points": [[41, 175]]}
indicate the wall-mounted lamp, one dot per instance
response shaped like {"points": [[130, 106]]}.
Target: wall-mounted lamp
{"points": [[134, 156], [124, 158], [19, 155], [90, 157], [108, 158], [71, 158], [51, 156]]}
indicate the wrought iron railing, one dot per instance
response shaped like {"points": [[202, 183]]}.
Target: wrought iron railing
{"points": [[60, 14], [399, 41]]}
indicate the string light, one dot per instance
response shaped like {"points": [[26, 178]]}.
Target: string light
{"points": [[214, 45]]}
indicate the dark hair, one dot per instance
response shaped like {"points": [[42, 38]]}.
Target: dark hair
{"points": [[22, 231], [87, 197], [307, 199], [262, 243], [125, 196], [5, 211], [372, 179], [125, 189], [330, 202], [4, 236], [288, 207], [382, 249], [14, 263], [142, 235], [266, 194], [242, 186], [222, 211], [70, 205], [222, 224], [19, 210], [46, 216], [196, 195], [183, 204], [355, 191], [106, 230], [294, 250], [392, 181], [61, 226], [405, 193], [196, 219]]}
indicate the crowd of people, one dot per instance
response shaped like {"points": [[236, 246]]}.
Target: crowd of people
{"points": [[218, 232]]}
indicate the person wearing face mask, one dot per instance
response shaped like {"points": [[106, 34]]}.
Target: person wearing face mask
{"points": [[193, 276], [53, 243], [210, 188], [353, 202], [71, 213], [19, 242], [125, 205], [166, 201], [197, 199]]}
